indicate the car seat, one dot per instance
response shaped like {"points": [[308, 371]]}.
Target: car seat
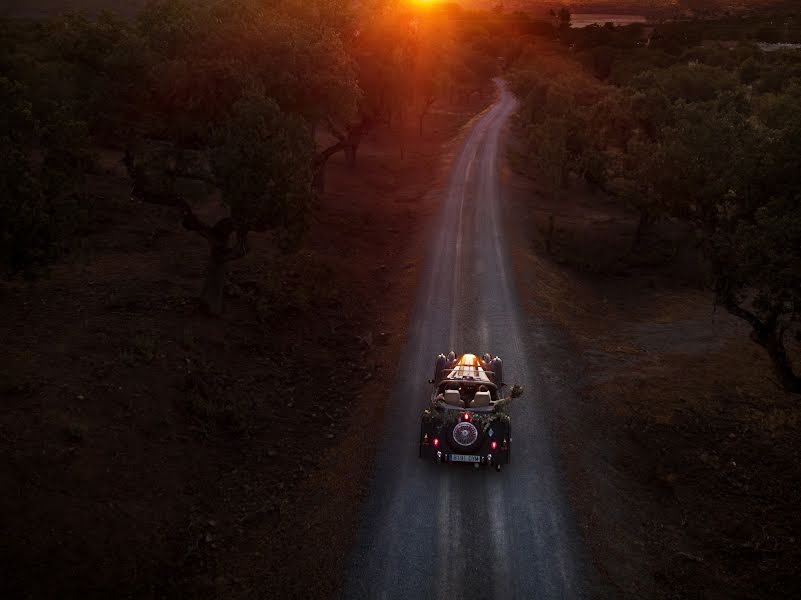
{"points": [[481, 399], [453, 398]]}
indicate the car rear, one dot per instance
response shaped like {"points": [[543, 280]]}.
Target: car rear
{"points": [[472, 438]]}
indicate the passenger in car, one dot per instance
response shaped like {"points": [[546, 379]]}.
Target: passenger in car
{"points": [[467, 392]]}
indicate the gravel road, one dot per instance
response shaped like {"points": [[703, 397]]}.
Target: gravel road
{"points": [[450, 531]]}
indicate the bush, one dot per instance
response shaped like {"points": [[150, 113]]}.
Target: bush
{"points": [[41, 164]]}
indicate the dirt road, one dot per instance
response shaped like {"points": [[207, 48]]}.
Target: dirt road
{"points": [[437, 531]]}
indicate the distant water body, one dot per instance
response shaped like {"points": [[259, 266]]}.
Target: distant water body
{"points": [[585, 19], [773, 47]]}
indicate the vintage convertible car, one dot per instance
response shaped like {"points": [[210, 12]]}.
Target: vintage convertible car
{"points": [[467, 421]]}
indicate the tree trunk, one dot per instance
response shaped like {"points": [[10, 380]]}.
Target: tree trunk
{"points": [[318, 179], [350, 153], [772, 342], [211, 298], [549, 236], [318, 166], [642, 227], [220, 252], [564, 177], [769, 334]]}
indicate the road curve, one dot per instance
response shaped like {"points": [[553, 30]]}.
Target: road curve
{"points": [[449, 531]]}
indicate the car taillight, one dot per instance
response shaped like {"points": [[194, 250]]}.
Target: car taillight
{"points": [[436, 442], [493, 444], [466, 416]]}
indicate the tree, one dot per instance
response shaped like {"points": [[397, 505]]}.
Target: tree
{"points": [[644, 163], [758, 267], [736, 182], [750, 70], [379, 51], [206, 116], [205, 54], [378, 60], [42, 160], [756, 243], [260, 161], [686, 139], [563, 18], [547, 143]]}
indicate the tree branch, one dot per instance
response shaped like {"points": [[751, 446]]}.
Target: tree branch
{"points": [[240, 247], [738, 311], [323, 156], [190, 220], [725, 297], [186, 174], [334, 131]]}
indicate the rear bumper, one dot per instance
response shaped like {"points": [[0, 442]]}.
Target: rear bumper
{"points": [[480, 457], [442, 451]]}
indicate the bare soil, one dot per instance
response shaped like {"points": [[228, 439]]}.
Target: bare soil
{"points": [[150, 451], [681, 451]]}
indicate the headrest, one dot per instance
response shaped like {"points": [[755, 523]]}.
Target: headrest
{"points": [[481, 399], [453, 398]]}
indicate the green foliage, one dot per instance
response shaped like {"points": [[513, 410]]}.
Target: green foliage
{"points": [[706, 135], [565, 116], [224, 93], [57, 81], [763, 256], [262, 162], [547, 143], [42, 158], [693, 82], [482, 421], [202, 57], [750, 71]]}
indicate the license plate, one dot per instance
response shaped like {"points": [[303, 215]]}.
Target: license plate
{"points": [[464, 458]]}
